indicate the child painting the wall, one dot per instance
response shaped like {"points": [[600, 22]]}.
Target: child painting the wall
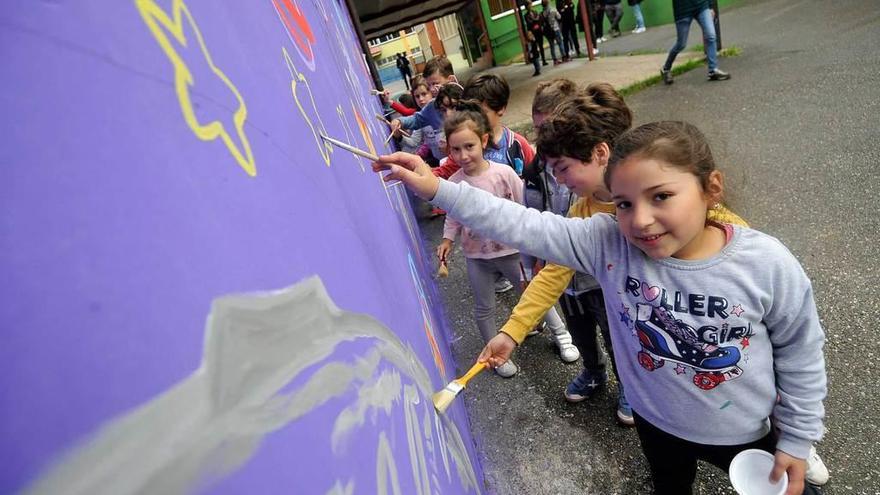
{"points": [[437, 73], [715, 327], [469, 134]]}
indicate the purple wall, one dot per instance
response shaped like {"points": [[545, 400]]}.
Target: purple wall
{"points": [[158, 156]]}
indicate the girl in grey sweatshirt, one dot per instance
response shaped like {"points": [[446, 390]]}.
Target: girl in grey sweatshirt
{"points": [[714, 326]]}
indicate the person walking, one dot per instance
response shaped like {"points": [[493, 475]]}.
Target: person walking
{"points": [[569, 28], [404, 68], [686, 11]]}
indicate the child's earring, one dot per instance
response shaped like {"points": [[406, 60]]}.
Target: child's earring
{"points": [[716, 206]]}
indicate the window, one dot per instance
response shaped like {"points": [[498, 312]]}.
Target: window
{"points": [[499, 6], [382, 39], [388, 37]]}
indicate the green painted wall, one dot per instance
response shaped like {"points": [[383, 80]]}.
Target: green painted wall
{"points": [[505, 39], [656, 13], [503, 35]]}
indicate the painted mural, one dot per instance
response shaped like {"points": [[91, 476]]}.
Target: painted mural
{"points": [[201, 296]]}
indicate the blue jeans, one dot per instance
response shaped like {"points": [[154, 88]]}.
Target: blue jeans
{"points": [[637, 13], [556, 40], [683, 26]]}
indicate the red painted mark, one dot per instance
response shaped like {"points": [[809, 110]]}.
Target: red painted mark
{"points": [[297, 26]]}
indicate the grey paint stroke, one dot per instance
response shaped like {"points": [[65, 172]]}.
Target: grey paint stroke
{"points": [[210, 424]]}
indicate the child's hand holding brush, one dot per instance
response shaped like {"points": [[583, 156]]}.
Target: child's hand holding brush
{"points": [[497, 350], [411, 170], [442, 251]]}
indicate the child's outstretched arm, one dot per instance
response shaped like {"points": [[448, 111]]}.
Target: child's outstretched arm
{"points": [[541, 294], [572, 242]]}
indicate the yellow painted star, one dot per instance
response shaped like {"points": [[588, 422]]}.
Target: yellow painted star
{"points": [[171, 34]]}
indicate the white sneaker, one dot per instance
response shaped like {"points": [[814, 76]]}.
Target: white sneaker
{"points": [[639, 30], [567, 351], [595, 51], [603, 39], [507, 370], [817, 473]]}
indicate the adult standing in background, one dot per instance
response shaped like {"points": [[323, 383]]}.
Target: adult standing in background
{"points": [[535, 25], [404, 68], [637, 13], [686, 11], [553, 31], [569, 28]]}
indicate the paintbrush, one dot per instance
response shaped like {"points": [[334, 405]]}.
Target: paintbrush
{"points": [[443, 271], [348, 147], [399, 129], [356, 151], [444, 398]]}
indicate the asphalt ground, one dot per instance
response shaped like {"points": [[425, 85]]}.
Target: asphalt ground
{"points": [[796, 132]]}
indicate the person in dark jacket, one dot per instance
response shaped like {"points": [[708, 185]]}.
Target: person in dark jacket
{"points": [[535, 25], [569, 28], [404, 68]]}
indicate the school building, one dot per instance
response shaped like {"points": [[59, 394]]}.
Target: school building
{"points": [[472, 33]]}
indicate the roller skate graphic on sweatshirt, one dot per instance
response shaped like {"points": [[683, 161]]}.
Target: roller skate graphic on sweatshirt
{"points": [[665, 338]]}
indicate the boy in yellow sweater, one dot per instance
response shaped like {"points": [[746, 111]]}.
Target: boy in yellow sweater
{"points": [[575, 142]]}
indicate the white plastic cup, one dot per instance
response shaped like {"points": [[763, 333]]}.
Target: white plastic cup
{"points": [[750, 474]]}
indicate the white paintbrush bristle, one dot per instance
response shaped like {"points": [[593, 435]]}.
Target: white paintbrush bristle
{"points": [[444, 398]]}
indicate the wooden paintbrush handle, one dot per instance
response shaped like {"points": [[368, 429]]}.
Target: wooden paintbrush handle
{"points": [[475, 369]]}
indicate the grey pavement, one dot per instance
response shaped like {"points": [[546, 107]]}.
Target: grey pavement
{"points": [[796, 131]]}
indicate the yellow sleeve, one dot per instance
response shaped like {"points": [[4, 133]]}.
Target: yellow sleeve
{"points": [[541, 294]]}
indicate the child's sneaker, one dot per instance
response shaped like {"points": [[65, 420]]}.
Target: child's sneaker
{"points": [[624, 412], [567, 351], [585, 385], [538, 329], [503, 285], [817, 473], [507, 370]]}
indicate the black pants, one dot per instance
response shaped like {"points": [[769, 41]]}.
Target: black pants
{"points": [[582, 314], [598, 21], [673, 460], [406, 77], [533, 54], [539, 42], [570, 38]]}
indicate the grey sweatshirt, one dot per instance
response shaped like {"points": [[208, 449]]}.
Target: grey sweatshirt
{"points": [[703, 347]]}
